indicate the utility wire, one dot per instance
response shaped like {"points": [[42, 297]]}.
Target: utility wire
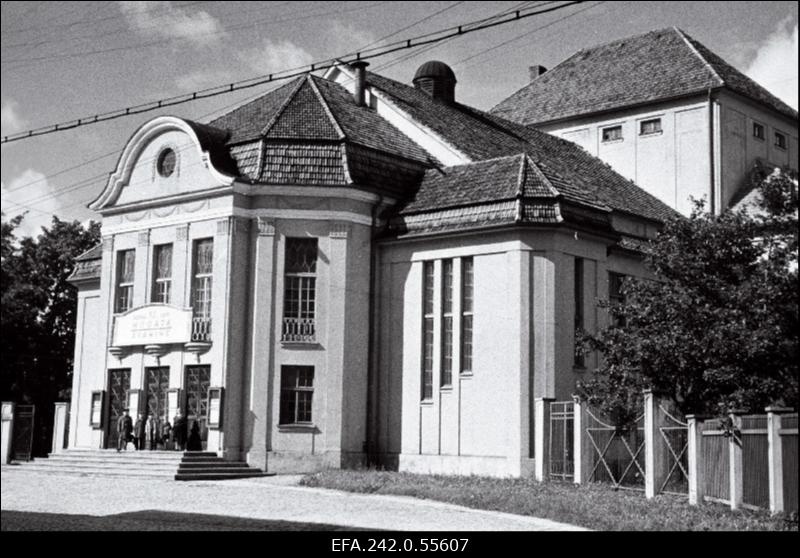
{"points": [[427, 39]]}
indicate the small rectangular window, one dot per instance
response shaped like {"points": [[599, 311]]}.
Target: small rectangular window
{"points": [[578, 296], [652, 126], [162, 273], [427, 332], [780, 140], [467, 293], [612, 133], [297, 391], [126, 260], [758, 131]]}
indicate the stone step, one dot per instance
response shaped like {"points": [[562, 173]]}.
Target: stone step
{"points": [[215, 470], [111, 455], [221, 463], [100, 471], [152, 466], [221, 476]]}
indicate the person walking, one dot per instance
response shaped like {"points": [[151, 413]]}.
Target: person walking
{"points": [[179, 431], [124, 430], [139, 433], [166, 432], [152, 432]]}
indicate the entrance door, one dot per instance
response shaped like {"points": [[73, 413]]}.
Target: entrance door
{"points": [[157, 385], [198, 380], [119, 382]]}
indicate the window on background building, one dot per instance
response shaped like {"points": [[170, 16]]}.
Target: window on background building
{"points": [[297, 390], [652, 126], [615, 294], [203, 259], [427, 332], [612, 133], [758, 130], [300, 290], [467, 293], [162, 273], [780, 140], [447, 323], [578, 297], [126, 260]]}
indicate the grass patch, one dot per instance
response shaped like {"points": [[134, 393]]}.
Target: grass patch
{"points": [[595, 506]]}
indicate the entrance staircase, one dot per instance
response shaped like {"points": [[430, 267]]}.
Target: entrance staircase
{"points": [[183, 466]]}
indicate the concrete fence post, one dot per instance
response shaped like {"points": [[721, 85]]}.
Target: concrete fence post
{"points": [[6, 431], [775, 448], [581, 450], [697, 481], [541, 437], [60, 421], [735, 460], [653, 448]]}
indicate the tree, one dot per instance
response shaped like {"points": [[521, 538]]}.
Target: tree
{"points": [[717, 328], [38, 315]]}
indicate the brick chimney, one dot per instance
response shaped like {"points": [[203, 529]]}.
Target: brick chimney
{"points": [[360, 68], [536, 71]]}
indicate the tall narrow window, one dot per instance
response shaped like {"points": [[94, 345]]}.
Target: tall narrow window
{"points": [[615, 293], [125, 270], [162, 273], [780, 140], [201, 289], [297, 391], [427, 332], [578, 297], [447, 323], [466, 315], [758, 130], [300, 290]]}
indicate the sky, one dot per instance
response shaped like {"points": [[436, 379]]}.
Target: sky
{"points": [[66, 60]]}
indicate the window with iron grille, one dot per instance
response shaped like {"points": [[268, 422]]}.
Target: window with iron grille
{"points": [[446, 378], [126, 260], [300, 290], [162, 273], [758, 130], [652, 126], [427, 332], [578, 296], [297, 390], [612, 133], [467, 288], [615, 293], [780, 140], [201, 288]]}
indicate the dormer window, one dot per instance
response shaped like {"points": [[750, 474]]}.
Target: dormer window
{"points": [[167, 160], [652, 126], [612, 133], [780, 140]]}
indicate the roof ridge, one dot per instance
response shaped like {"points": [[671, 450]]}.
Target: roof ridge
{"points": [[265, 130], [248, 103], [696, 52], [542, 176], [312, 80]]}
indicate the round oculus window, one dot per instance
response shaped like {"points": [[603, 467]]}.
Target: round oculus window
{"points": [[166, 162]]}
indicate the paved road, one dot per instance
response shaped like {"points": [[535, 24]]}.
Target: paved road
{"points": [[271, 498]]}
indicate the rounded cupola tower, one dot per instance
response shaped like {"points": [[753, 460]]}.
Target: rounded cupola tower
{"points": [[437, 80]]}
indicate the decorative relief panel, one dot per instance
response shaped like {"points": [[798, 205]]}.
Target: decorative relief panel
{"points": [[223, 227], [266, 226], [339, 230], [144, 238], [182, 232]]}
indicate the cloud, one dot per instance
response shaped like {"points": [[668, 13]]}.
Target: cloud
{"points": [[31, 192], [775, 63], [274, 56], [11, 119], [165, 20], [203, 79]]}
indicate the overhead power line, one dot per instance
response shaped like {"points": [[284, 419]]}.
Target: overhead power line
{"points": [[427, 39]]}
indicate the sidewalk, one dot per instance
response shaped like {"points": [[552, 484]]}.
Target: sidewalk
{"points": [[270, 498]]}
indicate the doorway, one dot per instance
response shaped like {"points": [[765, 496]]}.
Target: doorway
{"points": [[119, 382], [198, 380]]}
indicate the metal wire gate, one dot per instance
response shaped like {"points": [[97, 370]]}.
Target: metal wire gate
{"points": [[22, 445], [675, 435], [562, 421], [618, 454]]}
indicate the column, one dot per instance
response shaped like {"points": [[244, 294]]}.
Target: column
{"points": [[6, 430], [653, 446], [696, 478], [181, 268], [261, 365], [141, 286], [336, 304], [60, 417], [775, 446], [582, 450], [541, 424]]}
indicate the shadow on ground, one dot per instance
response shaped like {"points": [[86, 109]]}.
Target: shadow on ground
{"points": [[151, 520]]}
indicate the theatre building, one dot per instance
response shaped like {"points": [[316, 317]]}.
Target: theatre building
{"points": [[350, 269]]}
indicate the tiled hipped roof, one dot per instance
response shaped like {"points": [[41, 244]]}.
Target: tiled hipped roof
{"points": [[655, 66]]}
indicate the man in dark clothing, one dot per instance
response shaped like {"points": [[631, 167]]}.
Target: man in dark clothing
{"points": [[124, 430], [139, 433], [179, 431]]}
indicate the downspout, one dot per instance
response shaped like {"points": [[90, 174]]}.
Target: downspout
{"points": [[712, 162], [370, 444]]}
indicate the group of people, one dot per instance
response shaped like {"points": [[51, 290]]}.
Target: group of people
{"points": [[150, 433]]}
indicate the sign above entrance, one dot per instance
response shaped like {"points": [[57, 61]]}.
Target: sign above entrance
{"points": [[153, 324]]}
